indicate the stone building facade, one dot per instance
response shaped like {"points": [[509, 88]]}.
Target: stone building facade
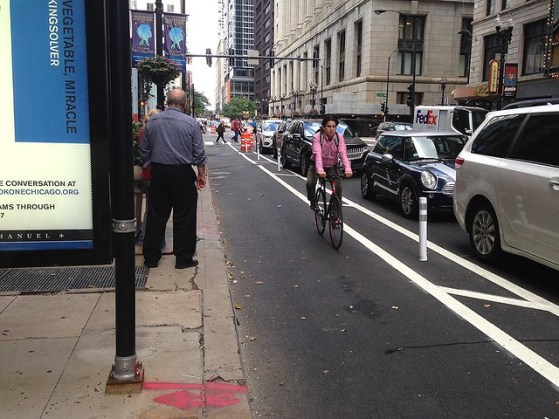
{"points": [[363, 55]]}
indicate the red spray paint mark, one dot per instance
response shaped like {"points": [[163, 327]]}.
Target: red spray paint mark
{"points": [[197, 395]]}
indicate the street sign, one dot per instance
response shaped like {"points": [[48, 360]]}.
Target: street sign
{"points": [[252, 55], [379, 94]]}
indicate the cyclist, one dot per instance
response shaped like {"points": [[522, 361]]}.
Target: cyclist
{"points": [[327, 148]]}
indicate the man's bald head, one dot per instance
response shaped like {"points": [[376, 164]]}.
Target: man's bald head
{"points": [[176, 98]]}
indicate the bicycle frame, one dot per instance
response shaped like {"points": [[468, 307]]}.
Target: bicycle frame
{"points": [[329, 210]]}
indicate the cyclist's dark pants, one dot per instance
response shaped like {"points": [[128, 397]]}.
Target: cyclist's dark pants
{"points": [[312, 177]]}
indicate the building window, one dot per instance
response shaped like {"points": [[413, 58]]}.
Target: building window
{"points": [[170, 8], [507, 4], [465, 47], [316, 63], [534, 47], [150, 7], [406, 44], [492, 48], [328, 60], [358, 47], [491, 7], [341, 56]]}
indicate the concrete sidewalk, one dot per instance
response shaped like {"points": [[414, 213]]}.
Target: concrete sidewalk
{"points": [[57, 349]]}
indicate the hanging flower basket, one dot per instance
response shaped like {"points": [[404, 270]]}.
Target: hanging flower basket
{"points": [[158, 70]]}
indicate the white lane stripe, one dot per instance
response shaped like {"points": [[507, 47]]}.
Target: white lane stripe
{"points": [[507, 342], [494, 298]]}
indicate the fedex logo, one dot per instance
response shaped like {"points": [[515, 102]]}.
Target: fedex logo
{"points": [[430, 118]]}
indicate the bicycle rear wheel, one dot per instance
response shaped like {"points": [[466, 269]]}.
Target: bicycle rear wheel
{"points": [[320, 214], [336, 222]]}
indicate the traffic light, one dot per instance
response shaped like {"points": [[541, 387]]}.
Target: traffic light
{"points": [[386, 109], [231, 57], [208, 57], [410, 95], [382, 107], [271, 54]]}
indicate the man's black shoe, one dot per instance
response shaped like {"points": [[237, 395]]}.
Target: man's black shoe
{"points": [[189, 264], [150, 264]]}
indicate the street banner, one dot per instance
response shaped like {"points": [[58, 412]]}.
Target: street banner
{"points": [[143, 36], [45, 158], [175, 39], [511, 73]]}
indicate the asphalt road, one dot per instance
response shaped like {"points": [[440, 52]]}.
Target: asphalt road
{"points": [[370, 331]]}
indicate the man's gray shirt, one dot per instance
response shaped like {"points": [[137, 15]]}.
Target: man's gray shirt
{"points": [[172, 137]]}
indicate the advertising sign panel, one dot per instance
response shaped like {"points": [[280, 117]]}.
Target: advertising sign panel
{"points": [[175, 39], [511, 73], [493, 79], [143, 36], [46, 174]]}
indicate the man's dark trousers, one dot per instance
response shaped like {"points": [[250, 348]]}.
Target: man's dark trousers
{"points": [[172, 187]]}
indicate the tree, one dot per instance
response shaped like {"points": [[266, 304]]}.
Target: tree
{"points": [[239, 106], [201, 103]]}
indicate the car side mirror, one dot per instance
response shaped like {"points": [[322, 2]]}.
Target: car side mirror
{"points": [[387, 159]]}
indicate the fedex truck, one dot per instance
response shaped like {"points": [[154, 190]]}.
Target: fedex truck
{"points": [[462, 119]]}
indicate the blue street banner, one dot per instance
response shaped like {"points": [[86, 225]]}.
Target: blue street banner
{"points": [[45, 158], [175, 39], [143, 36]]}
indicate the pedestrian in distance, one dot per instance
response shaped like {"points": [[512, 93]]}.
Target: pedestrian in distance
{"points": [[235, 129], [220, 131], [172, 144], [328, 147]]}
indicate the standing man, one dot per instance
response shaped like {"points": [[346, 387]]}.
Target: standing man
{"points": [[171, 145]]}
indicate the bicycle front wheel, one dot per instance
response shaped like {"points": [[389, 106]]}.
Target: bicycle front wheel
{"points": [[320, 214], [336, 222]]}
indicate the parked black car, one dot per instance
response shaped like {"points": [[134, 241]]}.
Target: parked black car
{"points": [[405, 165], [297, 144]]}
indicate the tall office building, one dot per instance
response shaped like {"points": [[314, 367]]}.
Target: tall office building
{"points": [[264, 44], [237, 35]]}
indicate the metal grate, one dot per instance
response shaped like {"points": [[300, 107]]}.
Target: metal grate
{"points": [[35, 280]]}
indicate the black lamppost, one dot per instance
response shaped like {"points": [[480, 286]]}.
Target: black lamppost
{"points": [[413, 55], [387, 84], [159, 46], [312, 88], [443, 87], [295, 94], [504, 34]]}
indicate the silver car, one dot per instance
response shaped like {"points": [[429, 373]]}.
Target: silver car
{"points": [[265, 133], [507, 185]]}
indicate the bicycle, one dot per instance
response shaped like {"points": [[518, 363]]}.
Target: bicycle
{"points": [[330, 211]]}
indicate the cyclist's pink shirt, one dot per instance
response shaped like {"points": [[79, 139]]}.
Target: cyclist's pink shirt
{"points": [[326, 155]]}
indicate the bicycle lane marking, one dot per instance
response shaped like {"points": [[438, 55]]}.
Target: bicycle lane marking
{"points": [[539, 364], [535, 301]]}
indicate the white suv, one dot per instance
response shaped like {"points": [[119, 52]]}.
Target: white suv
{"points": [[507, 185]]}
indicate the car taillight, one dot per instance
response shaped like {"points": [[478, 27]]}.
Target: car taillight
{"points": [[458, 162]]}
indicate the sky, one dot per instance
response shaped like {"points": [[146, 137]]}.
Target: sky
{"points": [[202, 33]]}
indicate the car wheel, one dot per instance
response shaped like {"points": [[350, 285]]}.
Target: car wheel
{"points": [[304, 164], [484, 233], [284, 162], [408, 202], [366, 189]]}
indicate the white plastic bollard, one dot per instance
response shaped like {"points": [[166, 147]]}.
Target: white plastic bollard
{"points": [[422, 229], [279, 159]]}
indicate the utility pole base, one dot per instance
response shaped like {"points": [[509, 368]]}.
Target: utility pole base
{"points": [[129, 386]]}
